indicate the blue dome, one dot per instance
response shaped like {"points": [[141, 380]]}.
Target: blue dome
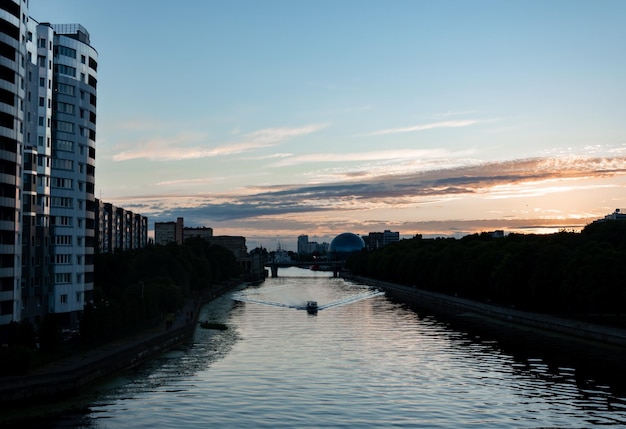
{"points": [[346, 243]]}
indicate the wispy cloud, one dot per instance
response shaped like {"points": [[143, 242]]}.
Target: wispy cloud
{"points": [[380, 155], [511, 179], [275, 135], [162, 148], [184, 146], [422, 127], [271, 156], [188, 181]]}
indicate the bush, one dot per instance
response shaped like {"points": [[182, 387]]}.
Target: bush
{"points": [[16, 360]]}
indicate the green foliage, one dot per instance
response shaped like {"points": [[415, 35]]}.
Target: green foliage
{"points": [[16, 360], [21, 334], [50, 333], [136, 288], [566, 272], [18, 356]]}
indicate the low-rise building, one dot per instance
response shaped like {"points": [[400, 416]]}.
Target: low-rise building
{"points": [[306, 247], [616, 215], [168, 232], [375, 240], [200, 232], [235, 244]]}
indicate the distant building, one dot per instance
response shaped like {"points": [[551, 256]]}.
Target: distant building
{"points": [[200, 232], [306, 247], [346, 243], [616, 215], [235, 244], [119, 229], [303, 244], [281, 256], [169, 232], [375, 240], [320, 247], [175, 232]]}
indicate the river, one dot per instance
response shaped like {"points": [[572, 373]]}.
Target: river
{"points": [[363, 362]]}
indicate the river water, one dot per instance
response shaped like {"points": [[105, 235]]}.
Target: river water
{"points": [[363, 362]]}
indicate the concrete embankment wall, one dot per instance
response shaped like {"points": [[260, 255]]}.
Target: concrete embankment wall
{"points": [[70, 379], [70, 376], [454, 305]]}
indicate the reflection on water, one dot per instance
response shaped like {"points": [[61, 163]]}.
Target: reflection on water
{"points": [[286, 299], [369, 363]]}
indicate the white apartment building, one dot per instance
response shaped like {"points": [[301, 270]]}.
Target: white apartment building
{"points": [[73, 163], [48, 80]]}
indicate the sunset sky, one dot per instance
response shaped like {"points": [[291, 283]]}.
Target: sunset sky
{"points": [[270, 119]]}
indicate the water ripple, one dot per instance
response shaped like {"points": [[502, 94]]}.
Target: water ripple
{"points": [[372, 363]]}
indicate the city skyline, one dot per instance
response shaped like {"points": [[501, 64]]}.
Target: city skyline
{"points": [[275, 119]]}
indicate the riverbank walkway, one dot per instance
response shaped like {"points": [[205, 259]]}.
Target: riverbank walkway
{"points": [[69, 374], [118, 346]]}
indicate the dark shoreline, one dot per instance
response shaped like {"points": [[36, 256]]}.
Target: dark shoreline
{"points": [[67, 377], [597, 352], [451, 305]]}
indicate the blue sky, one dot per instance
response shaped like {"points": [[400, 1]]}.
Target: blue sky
{"points": [[271, 119]]}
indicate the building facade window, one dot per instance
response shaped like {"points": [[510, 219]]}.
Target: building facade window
{"points": [[66, 127], [63, 164], [62, 220], [63, 278], [65, 145], [62, 259], [66, 70], [63, 88], [65, 108], [66, 202], [66, 51], [59, 182], [63, 240]]}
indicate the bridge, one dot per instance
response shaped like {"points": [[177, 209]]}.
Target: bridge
{"points": [[334, 266]]}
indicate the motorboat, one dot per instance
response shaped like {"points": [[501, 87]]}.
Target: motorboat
{"points": [[311, 307]]}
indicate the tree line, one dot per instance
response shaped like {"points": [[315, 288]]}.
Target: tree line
{"points": [[137, 288], [133, 290], [577, 274]]}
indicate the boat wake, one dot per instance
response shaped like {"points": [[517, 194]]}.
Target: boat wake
{"points": [[242, 296], [350, 300]]}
